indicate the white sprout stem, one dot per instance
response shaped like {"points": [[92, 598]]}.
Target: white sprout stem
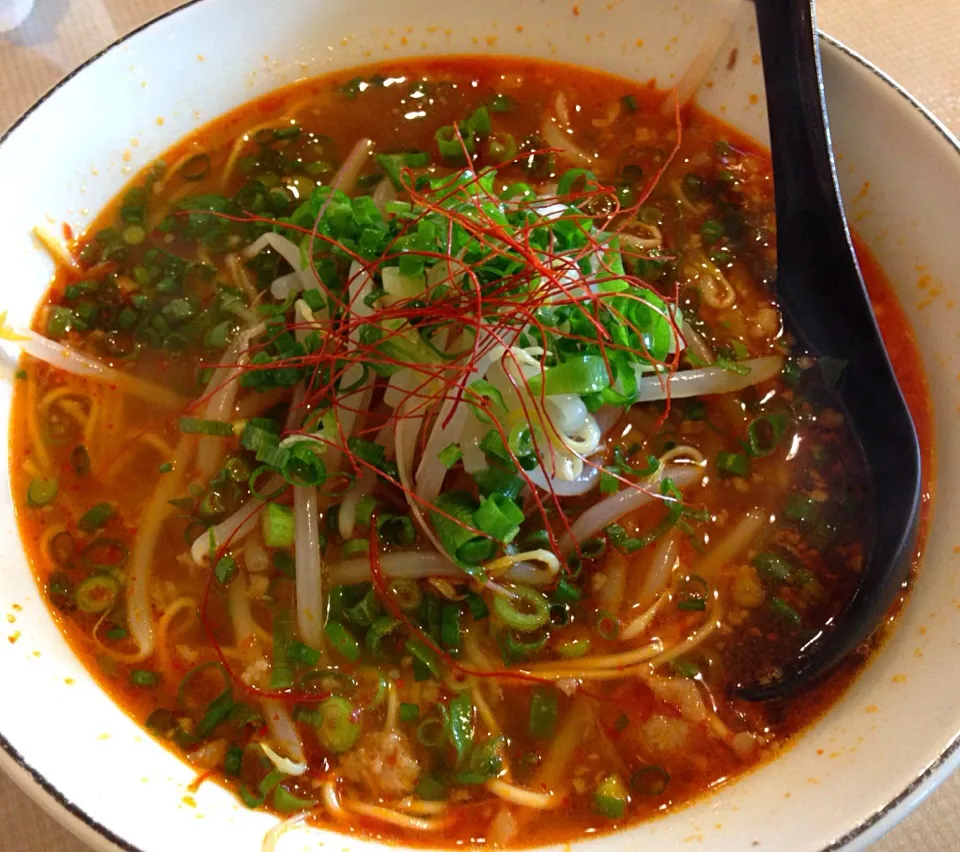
{"points": [[696, 72], [586, 481], [346, 177], [137, 589], [448, 427], [559, 137], [309, 566], [738, 540], [661, 568], [422, 564], [241, 617], [401, 565], [632, 497], [384, 192], [347, 516], [299, 279], [225, 384], [283, 730], [79, 364], [708, 380]]}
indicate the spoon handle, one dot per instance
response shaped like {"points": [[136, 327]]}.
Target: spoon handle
{"points": [[817, 249]]}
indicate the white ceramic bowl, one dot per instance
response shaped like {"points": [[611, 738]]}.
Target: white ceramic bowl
{"points": [[876, 753]]}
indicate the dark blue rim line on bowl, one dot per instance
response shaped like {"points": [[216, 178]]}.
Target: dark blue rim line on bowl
{"points": [[903, 800]]}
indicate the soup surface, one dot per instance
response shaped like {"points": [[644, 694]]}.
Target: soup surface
{"points": [[437, 462]]}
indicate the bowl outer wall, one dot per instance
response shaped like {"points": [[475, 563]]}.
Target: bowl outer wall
{"points": [[72, 153]]}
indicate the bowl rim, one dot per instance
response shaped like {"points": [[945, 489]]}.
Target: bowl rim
{"points": [[72, 817]]}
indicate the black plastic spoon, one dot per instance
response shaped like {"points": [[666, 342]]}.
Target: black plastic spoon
{"points": [[826, 306]]}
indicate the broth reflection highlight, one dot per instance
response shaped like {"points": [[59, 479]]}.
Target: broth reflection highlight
{"points": [[422, 452]]}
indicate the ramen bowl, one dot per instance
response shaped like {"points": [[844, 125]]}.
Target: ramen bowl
{"points": [[881, 747]]}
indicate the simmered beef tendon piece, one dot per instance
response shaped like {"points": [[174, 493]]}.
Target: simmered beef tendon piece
{"points": [[383, 764]]}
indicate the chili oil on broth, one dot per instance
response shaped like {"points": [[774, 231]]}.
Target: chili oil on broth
{"points": [[616, 750]]}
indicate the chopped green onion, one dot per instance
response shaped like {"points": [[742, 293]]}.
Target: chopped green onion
{"points": [[629, 103], [365, 507], [529, 610], [456, 531], [62, 547], [764, 433], [95, 518], [495, 480], [581, 374], [407, 594], [499, 517], [592, 548], [409, 712], [477, 606], [196, 168], [42, 492], [302, 655], [514, 648], [233, 761], [201, 426], [216, 713], [337, 731], [285, 564], [355, 547], [572, 649], [608, 625], [286, 803], [342, 640], [543, 712], [144, 678], [685, 668], [396, 530], [80, 460], [225, 570], [133, 235], [377, 632], [772, 567], [60, 322], [365, 610], [733, 464], [460, 724], [97, 593], [431, 732], [281, 673], [566, 592], [452, 146], [450, 455], [611, 797], [502, 103], [501, 147], [802, 508], [781, 608], [450, 627], [276, 525], [711, 231], [650, 781], [426, 655]]}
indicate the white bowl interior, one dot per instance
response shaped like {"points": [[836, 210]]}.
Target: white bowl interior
{"points": [[74, 153]]}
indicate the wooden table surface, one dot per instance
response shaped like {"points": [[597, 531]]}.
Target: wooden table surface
{"points": [[915, 41]]}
